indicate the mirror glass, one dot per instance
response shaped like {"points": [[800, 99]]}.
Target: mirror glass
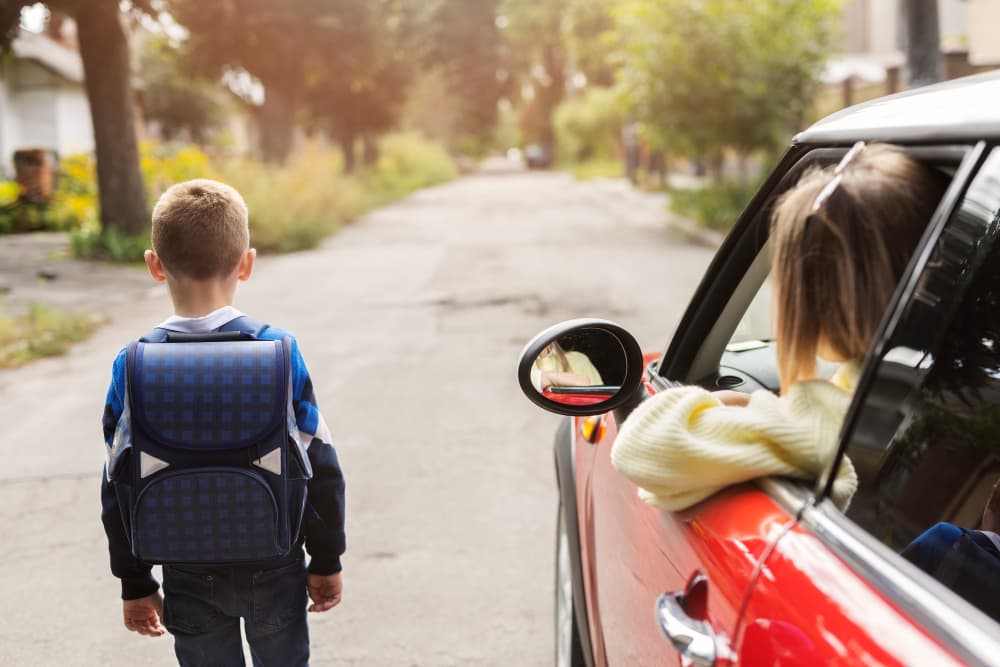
{"points": [[583, 367]]}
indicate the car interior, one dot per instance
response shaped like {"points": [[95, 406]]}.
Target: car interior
{"points": [[739, 350]]}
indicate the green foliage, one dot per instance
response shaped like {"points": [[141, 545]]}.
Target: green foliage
{"points": [[716, 205], [465, 44], [589, 126], [293, 207], [164, 164], [538, 58], [597, 168], [181, 102], [590, 38], [703, 76], [73, 205], [284, 44], [407, 162], [41, 332], [109, 245]]}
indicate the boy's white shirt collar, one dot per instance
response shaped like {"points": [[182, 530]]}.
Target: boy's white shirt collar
{"points": [[210, 322]]}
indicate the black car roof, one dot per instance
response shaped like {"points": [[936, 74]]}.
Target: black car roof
{"points": [[965, 109]]}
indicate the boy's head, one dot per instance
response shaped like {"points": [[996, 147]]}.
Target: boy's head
{"points": [[200, 230]]}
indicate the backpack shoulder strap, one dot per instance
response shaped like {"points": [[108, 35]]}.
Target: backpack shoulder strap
{"points": [[244, 324], [156, 335]]}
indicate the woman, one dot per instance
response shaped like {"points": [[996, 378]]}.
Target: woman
{"points": [[840, 241]]}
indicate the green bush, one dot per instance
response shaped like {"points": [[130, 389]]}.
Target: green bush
{"points": [[716, 205], [597, 168], [109, 245], [295, 206], [406, 162], [588, 127], [292, 207]]}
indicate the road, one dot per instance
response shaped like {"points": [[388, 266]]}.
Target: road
{"points": [[411, 321]]}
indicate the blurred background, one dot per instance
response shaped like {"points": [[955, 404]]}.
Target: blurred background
{"points": [[567, 142], [374, 98]]}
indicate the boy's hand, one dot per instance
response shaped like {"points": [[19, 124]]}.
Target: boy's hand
{"points": [[143, 615], [325, 591]]}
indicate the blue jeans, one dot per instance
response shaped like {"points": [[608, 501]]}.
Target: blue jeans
{"points": [[202, 607]]}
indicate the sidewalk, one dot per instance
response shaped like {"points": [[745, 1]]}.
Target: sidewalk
{"points": [[38, 268]]}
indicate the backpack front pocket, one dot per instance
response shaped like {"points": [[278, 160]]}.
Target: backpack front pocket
{"points": [[206, 515]]}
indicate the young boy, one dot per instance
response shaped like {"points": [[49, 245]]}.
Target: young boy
{"points": [[201, 250]]}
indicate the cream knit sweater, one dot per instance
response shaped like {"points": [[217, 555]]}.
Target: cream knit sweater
{"points": [[682, 445]]}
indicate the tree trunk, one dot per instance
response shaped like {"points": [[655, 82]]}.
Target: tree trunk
{"points": [[369, 147], [551, 94], [923, 42], [108, 79], [277, 116], [346, 139]]}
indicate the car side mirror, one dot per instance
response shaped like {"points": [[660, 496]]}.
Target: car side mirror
{"points": [[581, 367]]}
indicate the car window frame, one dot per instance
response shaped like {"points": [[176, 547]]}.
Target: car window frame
{"points": [[975, 155], [946, 615], [730, 283]]}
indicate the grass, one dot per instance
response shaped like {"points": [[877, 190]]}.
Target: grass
{"points": [[43, 331]]}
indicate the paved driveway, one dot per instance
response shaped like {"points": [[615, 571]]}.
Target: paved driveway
{"points": [[411, 321]]}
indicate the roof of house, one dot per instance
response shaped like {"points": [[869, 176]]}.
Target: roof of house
{"points": [[956, 110], [47, 52]]}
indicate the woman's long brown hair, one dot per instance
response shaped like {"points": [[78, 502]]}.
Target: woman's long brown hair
{"points": [[835, 268]]}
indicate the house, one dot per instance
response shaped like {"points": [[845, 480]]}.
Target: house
{"points": [[871, 61], [43, 103]]}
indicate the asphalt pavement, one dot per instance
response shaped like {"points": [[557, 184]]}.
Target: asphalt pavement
{"points": [[411, 321]]}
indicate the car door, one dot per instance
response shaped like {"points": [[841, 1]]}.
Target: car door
{"points": [[710, 553], [736, 537], [879, 584]]}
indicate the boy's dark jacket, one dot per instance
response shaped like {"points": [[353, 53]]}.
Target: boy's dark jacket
{"points": [[323, 522]]}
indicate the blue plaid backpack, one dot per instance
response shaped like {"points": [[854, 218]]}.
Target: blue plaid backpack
{"points": [[206, 462]]}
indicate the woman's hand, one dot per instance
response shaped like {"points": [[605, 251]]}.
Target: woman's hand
{"points": [[730, 397], [563, 379]]}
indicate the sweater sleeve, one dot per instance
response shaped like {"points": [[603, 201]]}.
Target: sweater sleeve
{"points": [[136, 577], [323, 523], [683, 444]]}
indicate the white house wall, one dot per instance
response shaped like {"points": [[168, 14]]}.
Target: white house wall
{"points": [[76, 133], [7, 123], [40, 109]]}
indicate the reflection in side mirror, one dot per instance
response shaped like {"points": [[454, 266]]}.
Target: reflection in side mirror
{"points": [[581, 367]]}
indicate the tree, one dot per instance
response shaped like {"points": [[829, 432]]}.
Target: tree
{"points": [[923, 42], [590, 38], [104, 50], [277, 41], [365, 98], [705, 76], [178, 101], [465, 44], [538, 54]]}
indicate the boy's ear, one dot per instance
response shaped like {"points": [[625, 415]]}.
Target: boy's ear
{"points": [[155, 266], [246, 264]]}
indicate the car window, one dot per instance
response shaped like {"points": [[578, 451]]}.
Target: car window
{"points": [[755, 325], [926, 446]]}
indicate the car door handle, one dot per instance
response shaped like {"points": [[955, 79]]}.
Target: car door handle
{"points": [[693, 639]]}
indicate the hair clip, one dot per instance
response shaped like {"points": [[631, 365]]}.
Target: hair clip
{"points": [[838, 176]]}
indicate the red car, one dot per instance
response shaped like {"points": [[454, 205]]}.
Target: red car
{"points": [[770, 572]]}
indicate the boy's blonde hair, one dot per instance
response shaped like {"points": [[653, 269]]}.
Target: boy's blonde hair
{"points": [[837, 257], [200, 229]]}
